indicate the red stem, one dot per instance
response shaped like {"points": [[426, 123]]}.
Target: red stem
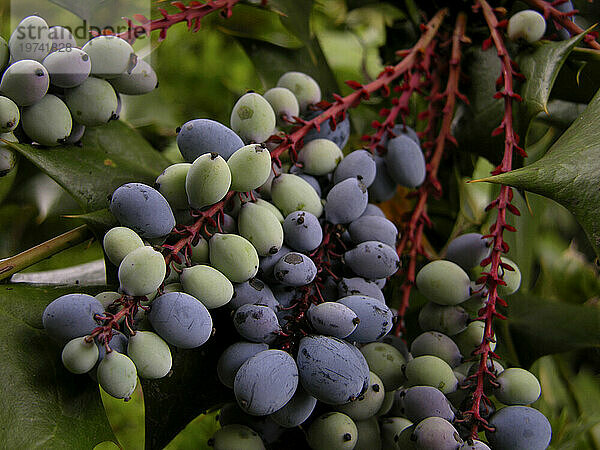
{"points": [[416, 79], [338, 109], [192, 14], [502, 203], [129, 308], [564, 20], [413, 230]]}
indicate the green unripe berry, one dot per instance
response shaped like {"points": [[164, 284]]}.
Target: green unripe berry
{"points": [[208, 180], [117, 375], [369, 435], [107, 298], [261, 228], [332, 431], [200, 252], [320, 157], [141, 80], [173, 287], [9, 115], [431, 371], [236, 437], [444, 283], [150, 354], [367, 404], [304, 87], [284, 104], [391, 428], [43, 131], [208, 285], [80, 356], [517, 387], [93, 102], [142, 271], [436, 344], [110, 55], [171, 184], [30, 40], [528, 25], [271, 207], [119, 242], [233, 256], [291, 193], [250, 167], [388, 402], [25, 82], [469, 339], [252, 118], [386, 362]]}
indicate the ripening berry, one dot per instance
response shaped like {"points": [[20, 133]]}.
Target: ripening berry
{"points": [[528, 25]]}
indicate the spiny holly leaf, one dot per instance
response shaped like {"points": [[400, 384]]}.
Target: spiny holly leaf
{"points": [[568, 173], [193, 388], [540, 68], [111, 155], [578, 81], [42, 405], [541, 327], [476, 122]]}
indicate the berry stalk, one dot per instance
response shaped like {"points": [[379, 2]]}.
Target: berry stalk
{"points": [[192, 14], [336, 111], [502, 204], [416, 79], [412, 234]]}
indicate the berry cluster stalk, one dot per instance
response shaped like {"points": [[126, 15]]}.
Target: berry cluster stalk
{"points": [[192, 14], [412, 233], [563, 19], [336, 111], [415, 80], [502, 204]]}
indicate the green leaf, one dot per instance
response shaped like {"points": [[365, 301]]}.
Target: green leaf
{"points": [[296, 18], [568, 173], [111, 155], [81, 8], [42, 405], [192, 389], [271, 61], [541, 327], [540, 68], [475, 122]]}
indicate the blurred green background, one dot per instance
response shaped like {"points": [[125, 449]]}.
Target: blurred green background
{"points": [[201, 76]]}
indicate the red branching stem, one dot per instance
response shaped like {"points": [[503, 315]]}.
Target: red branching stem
{"points": [[293, 141], [192, 14], [416, 79], [502, 203], [412, 232], [128, 308], [564, 20], [190, 232]]}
